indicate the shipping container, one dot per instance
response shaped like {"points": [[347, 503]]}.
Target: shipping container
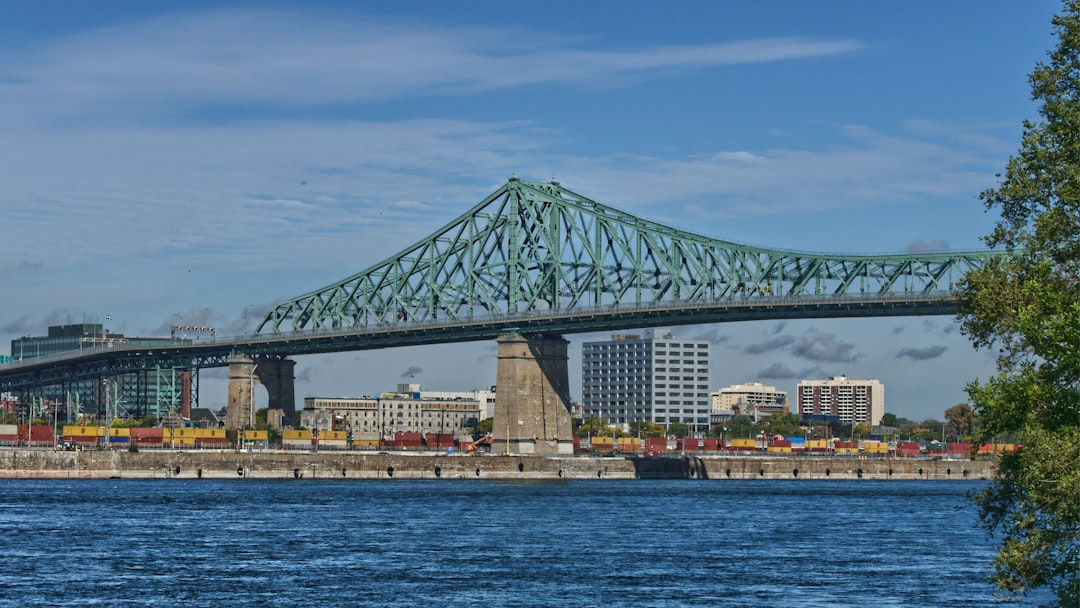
{"points": [[253, 435], [147, 433], [210, 433], [710, 445], [743, 443], [9, 429], [688, 444], [296, 434], [84, 430], [37, 433]]}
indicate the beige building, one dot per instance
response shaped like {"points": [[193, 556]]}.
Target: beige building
{"points": [[406, 411], [849, 400], [752, 399]]}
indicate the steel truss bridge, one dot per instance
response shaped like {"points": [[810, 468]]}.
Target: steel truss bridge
{"points": [[538, 258]]}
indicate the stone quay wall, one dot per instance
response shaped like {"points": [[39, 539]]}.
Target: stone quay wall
{"points": [[204, 464]]}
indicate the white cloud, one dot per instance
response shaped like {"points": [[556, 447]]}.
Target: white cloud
{"points": [[178, 63]]}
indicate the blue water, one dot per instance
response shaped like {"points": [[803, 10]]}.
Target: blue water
{"points": [[489, 543]]}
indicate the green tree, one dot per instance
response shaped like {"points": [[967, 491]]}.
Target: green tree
{"points": [[784, 424], [645, 428], [679, 429], [595, 427], [1026, 305], [484, 427], [959, 421], [738, 427]]}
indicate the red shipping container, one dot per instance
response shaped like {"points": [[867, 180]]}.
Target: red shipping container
{"points": [[38, 432], [147, 433], [688, 444], [711, 445]]}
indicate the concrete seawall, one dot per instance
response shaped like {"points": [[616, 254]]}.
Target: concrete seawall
{"points": [[167, 464]]}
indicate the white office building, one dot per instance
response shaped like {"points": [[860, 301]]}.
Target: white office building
{"points": [[651, 378], [752, 399], [849, 400]]}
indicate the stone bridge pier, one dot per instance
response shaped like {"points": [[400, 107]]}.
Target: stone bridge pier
{"points": [[532, 398], [245, 374]]}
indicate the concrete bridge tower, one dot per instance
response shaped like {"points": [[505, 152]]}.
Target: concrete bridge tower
{"points": [[532, 397], [245, 374]]}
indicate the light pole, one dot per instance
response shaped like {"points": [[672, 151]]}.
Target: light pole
{"points": [[251, 396]]}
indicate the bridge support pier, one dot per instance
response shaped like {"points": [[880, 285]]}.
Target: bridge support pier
{"points": [[245, 374], [532, 396]]}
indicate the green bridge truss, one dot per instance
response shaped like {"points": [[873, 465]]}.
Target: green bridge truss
{"points": [[540, 249]]}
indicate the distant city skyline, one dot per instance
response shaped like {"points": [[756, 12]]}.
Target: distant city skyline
{"points": [[192, 166]]}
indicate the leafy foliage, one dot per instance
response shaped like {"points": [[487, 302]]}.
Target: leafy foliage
{"points": [[1026, 304]]}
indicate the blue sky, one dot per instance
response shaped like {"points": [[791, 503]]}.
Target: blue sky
{"points": [[202, 160]]}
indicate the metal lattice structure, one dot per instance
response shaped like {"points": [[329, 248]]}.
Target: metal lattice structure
{"points": [[538, 247]]}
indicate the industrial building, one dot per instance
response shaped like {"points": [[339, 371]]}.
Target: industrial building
{"points": [[150, 392], [647, 378], [849, 400], [409, 410], [752, 399]]}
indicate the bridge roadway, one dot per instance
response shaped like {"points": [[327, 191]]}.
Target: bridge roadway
{"points": [[115, 359]]}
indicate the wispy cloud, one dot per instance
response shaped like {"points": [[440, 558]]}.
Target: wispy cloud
{"points": [[778, 371], [824, 346], [182, 63], [921, 354], [769, 345]]}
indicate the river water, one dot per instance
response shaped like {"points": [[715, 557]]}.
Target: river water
{"points": [[491, 543]]}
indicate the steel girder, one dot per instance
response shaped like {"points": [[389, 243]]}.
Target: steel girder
{"points": [[538, 246]]}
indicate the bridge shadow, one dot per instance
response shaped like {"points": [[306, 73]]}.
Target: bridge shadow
{"points": [[683, 467]]}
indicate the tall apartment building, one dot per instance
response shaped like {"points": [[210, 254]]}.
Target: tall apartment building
{"points": [[752, 399], [849, 400], [646, 378]]}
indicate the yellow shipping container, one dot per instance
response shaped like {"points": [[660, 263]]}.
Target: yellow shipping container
{"points": [[816, 444], [332, 435], [780, 449], [120, 432], [743, 443], [178, 442], [366, 442], [603, 441], [296, 434], [168, 434], [84, 431], [252, 435], [209, 433]]}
